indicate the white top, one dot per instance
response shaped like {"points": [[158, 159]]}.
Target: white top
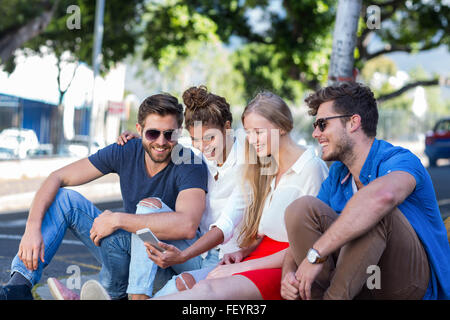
{"points": [[304, 178], [354, 187], [225, 203]]}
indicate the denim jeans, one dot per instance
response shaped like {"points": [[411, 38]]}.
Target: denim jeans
{"points": [[70, 210], [209, 263], [145, 275]]}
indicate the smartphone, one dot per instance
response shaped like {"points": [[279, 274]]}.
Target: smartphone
{"points": [[147, 235]]}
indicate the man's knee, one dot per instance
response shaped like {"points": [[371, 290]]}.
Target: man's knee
{"points": [[184, 281], [299, 209], [67, 195], [118, 241], [67, 199], [152, 203]]}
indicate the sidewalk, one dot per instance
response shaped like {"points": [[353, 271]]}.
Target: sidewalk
{"points": [[20, 179]]}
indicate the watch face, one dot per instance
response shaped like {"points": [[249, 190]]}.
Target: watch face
{"points": [[312, 256]]}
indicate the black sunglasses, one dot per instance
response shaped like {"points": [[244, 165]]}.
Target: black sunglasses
{"points": [[322, 122], [153, 134]]}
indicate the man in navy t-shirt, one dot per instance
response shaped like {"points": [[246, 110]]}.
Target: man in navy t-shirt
{"points": [[375, 230], [149, 169]]}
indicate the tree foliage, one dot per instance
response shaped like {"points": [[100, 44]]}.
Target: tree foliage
{"points": [[282, 45], [292, 52], [121, 21]]}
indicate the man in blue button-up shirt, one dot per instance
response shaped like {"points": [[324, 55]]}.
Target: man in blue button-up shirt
{"points": [[375, 230]]}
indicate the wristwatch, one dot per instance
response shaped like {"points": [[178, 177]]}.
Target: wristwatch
{"points": [[314, 257]]}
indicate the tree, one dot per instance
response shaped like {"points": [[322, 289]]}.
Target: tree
{"points": [[295, 46], [69, 43], [20, 23], [282, 45], [269, 59], [407, 26], [121, 28]]}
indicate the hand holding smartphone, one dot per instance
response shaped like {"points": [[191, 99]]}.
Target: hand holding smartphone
{"points": [[147, 235]]}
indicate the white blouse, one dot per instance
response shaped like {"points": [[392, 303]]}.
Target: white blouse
{"points": [[304, 178], [225, 203], [226, 200]]}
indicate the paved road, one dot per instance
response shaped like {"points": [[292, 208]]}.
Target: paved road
{"points": [[441, 182], [71, 252]]}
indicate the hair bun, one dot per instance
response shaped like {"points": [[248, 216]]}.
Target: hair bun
{"points": [[195, 97]]}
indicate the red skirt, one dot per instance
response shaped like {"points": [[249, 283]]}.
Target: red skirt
{"points": [[268, 281]]}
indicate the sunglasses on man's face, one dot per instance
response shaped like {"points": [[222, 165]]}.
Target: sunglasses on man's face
{"points": [[322, 122], [153, 134]]}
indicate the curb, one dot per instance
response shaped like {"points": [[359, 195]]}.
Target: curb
{"points": [[97, 192]]}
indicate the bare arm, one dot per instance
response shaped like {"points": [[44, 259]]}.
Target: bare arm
{"points": [[206, 242], [289, 264], [172, 255], [32, 246], [181, 224], [289, 283]]}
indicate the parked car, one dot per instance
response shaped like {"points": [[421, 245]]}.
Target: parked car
{"points": [[437, 142], [19, 142], [79, 146], [6, 154]]}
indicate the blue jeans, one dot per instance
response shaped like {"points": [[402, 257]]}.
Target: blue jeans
{"points": [[209, 263], [70, 210], [145, 275]]}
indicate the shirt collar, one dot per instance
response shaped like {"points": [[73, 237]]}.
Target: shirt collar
{"points": [[365, 174], [298, 165]]}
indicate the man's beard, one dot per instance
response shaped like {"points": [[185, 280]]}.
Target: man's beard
{"points": [[343, 151], [158, 159]]}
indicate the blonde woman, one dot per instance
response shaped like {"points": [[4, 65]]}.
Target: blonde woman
{"points": [[277, 171]]}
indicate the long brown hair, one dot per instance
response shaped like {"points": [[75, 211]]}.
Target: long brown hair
{"points": [[256, 175]]}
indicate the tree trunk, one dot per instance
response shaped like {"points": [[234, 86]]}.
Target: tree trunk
{"points": [[17, 37], [344, 41], [57, 130]]}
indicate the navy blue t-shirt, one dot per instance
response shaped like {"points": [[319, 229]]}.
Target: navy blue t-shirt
{"points": [[128, 162]]}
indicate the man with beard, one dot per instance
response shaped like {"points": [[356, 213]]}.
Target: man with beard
{"points": [[374, 231], [175, 192]]}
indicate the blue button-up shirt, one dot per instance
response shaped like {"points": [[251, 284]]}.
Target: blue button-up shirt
{"points": [[420, 207]]}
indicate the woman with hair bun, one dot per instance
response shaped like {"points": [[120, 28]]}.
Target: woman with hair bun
{"points": [[208, 120]]}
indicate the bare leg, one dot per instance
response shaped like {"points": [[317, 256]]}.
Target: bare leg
{"points": [[185, 281], [235, 287]]}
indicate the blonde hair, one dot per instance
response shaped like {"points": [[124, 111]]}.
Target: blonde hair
{"points": [[274, 109]]}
